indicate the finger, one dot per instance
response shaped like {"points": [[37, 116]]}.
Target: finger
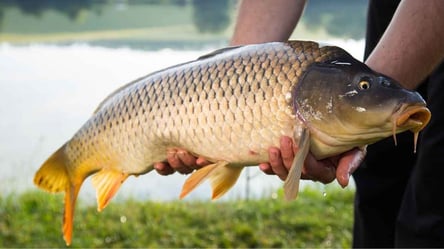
{"points": [[173, 160], [276, 163], [348, 163], [163, 169], [287, 152], [200, 162], [186, 158], [176, 163], [323, 171], [266, 168]]}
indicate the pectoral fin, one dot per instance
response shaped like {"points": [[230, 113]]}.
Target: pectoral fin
{"points": [[221, 176], [107, 182], [291, 185]]}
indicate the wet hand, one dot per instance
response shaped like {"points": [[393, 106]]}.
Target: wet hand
{"points": [[181, 161], [280, 160], [326, 170]]}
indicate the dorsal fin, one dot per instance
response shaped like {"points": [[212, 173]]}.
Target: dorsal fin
{"points": [[217, 52], [101, 104], [206, 56]]}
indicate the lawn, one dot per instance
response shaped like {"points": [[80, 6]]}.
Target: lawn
{"points": [[33, 219]]}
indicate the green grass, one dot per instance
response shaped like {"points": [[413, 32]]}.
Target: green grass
{"points": [[33, 219]]}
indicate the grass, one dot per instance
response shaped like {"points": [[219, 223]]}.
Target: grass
{"points": [[33, 219]]}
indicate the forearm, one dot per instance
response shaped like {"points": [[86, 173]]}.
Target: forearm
{"points": [[266, 20], [413, 44]]}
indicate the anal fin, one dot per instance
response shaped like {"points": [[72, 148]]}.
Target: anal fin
{"points": [[195, 179], [107, 182], [220, 174], [291, 184]]}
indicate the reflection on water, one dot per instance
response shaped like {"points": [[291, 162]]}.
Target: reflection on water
{"points": [[59, 59]]}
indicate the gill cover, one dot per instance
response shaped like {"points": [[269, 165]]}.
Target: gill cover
{"points": [[343, 101]]}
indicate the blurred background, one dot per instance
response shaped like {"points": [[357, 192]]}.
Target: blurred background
{"points": [[60, 58]]}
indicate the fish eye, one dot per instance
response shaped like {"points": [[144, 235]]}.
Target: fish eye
{"points": [[364, 83]]}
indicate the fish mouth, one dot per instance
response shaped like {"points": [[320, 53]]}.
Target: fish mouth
{"points": [[413, 118]]}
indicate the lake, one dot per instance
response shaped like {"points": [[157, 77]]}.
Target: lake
{"points": [[59, 59]]}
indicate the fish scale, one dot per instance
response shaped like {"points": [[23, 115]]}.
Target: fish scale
{"points": [[229, 107], [168, 97]]}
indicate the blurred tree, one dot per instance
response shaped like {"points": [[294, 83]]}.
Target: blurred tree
{"points": [[72, 9], [336, 17], [2, 14], [211, 16]]}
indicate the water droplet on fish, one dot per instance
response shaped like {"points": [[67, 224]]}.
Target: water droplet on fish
{"points": [[288, 97], [360, 109]]}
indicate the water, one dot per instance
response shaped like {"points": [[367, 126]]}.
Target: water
{"points": [[51, 81]]}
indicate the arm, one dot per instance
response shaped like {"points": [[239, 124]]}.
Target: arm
{"points": [[411, 47], [413, 44], [266, 20]]}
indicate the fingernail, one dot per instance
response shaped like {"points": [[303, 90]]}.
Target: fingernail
{"points": [[158, 166], [263, 166], [345, 181]]}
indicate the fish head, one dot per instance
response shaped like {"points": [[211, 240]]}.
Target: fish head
{"points": [[345, 104]]}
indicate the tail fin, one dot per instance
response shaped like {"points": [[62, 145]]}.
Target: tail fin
{"points": [[68, 215], [53, 177]]}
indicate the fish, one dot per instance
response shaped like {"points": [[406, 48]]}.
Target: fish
{"points": [[230, 106]]}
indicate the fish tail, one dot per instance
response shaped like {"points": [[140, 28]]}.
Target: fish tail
{"points": [[53, 177], [68, 214]]}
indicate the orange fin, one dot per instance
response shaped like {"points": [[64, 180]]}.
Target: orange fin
{"points": [[196, 179], [68, 214], [221, 176], [107, 182], [52, 175], [291, 184]]}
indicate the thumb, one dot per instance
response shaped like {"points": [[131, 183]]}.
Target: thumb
{"points": [[348, 163]]}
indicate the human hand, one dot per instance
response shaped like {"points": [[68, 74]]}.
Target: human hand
{"points": [[325, 171], [181, 161]]}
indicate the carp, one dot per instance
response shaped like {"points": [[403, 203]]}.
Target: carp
{"points": [[229, 107]]}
